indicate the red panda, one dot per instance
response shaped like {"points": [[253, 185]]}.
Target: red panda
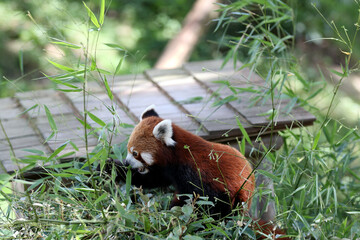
{"points": [[172, 155]]}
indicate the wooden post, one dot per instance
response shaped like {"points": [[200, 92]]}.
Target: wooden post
{"points": [[179, 49]]}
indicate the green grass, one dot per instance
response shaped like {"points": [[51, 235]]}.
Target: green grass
{"points": [[315, 173]]}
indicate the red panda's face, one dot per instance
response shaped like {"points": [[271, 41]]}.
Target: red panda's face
{"points": [[147, 139]]}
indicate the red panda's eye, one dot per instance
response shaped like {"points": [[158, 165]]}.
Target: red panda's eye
{"points": [[135, 154]]}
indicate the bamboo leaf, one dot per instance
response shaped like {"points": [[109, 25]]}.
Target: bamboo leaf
{"points": [[108, 90], [118, 67], [76, 171], [269, 175], [115, 46], [102, 153], [57, 151], [243, 131], [92, 16], [61, 67], [128, 182], [21, 62], [316, 140], [69, 90], [29, 109], [102, 12], [68, 45], [96, 119], [50, 119]]}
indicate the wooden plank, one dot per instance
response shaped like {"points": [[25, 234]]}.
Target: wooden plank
{"points": [[55, 104], [7, 103], [16, 128], [9, 165], [139, 93], [19, 143], [212, 70], [243, 78], [186, 89], [10, 113]]}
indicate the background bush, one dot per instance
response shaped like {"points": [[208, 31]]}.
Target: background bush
{"points": [[315, 173]]}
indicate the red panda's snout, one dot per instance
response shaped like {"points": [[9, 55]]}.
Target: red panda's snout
{"points": [[139, 161]]}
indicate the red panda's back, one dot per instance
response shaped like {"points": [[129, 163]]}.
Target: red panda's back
{"points": [[222, 166]]}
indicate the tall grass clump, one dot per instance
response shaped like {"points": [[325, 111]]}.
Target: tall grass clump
{"points": [[315, 173]]}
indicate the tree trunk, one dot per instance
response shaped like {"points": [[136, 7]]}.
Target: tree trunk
{"points": [[179, 49]]}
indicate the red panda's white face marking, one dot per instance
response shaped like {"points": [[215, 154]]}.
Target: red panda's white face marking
{"points": [[147, 157], [132, 160], [147, 139]]}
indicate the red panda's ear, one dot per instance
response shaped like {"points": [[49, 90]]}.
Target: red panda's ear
{"points": [[164, 132], [148, 112]]}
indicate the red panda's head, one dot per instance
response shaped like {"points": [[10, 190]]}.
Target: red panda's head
{"points": [[147, 140]]}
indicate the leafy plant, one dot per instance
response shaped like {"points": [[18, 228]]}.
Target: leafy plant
{"points": [[314, 173]]}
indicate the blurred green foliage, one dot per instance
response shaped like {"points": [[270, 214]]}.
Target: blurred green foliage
{"points": [[27, 29], [142, 27]]}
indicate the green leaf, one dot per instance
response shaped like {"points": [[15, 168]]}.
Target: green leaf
{"points": [[126, 125], [102, 197], [346, 135], [74, 145], [128, 182], [77, 171], [57, 151], [35, 151], [316, 140], [243, 131], [96, 119], [93, 64], [269, 175], [147, 224], [62, 165], [99, 155], [68, 45], [58, 81], [52, 134], [21, 62], [191, 100], [61, 67], [83, 123], [118, 67], [337, 73], [190, 237], [29, 109], [187, 210], [115, 46], [50, 119], [225, 100], [102, 12], [92, 16], [108, 90], [69, 90]]}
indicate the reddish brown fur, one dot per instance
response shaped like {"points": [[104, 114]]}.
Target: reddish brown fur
{"points": [[231, 170]]}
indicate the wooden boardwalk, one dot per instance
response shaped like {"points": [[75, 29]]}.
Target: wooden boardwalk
{"points": [[186, 96]]}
